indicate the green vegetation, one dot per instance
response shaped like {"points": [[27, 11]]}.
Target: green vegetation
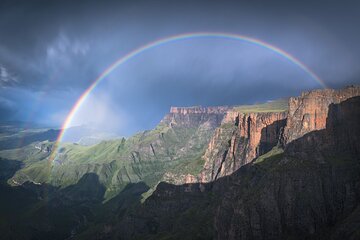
{"points": [[144, 157], [147, 194], [280, 105], [191, 166], [275, 151]]}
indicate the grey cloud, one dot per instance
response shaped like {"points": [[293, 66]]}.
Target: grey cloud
{"points": [[6, 77], [60, 47]]}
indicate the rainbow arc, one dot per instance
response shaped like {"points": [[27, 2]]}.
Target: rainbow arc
{"points": [[168, 40]]}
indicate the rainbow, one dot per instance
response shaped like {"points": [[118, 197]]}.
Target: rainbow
{"points": [[171, 39]]}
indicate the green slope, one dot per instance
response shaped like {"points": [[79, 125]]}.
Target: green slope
{"points": [[175, 146], [144, 157]]}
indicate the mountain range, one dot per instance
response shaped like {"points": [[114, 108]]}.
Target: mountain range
{"points": [[285, 169]]}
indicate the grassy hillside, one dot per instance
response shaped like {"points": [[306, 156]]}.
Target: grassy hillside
{"points": [[144, 157], [175, 147]]}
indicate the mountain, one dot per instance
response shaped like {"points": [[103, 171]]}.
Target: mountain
{"points": [[282, 169], [19, 134], [309, 190], [248, 132], [178, 142], [243, 136]]}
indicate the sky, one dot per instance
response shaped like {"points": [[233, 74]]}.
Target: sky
{"points": [[51, 51]]}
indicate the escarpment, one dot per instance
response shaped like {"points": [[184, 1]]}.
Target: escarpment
{"points": [[244, 136], [199, 110], [194, 116], [252, 172], [309, 111], [192, 144], [241, 138], [310, 191]]}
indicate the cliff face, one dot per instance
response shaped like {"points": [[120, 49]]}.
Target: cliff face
{"points": [[241, 138], [341, 134], [309, 111], [201, 122], [199, 110], [310, 191], [194, 116]]}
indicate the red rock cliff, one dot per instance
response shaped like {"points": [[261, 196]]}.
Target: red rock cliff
{"points": [[199, 109], [189, 116], [309, 111], [241, 138]]}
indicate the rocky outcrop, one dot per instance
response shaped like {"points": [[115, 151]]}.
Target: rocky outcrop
{"points": [[306, 193], [311, 191], [45, 146], [199, 110], [190, 116], [309, 111], [241, 138], [179, 179], [341, 134], [201, 122]]}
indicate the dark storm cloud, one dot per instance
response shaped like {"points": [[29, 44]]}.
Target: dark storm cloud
{"points": [[73, 31], [7, 109], [55, 49]]}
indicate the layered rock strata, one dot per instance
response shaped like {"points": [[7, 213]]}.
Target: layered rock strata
{"points": [[309, 111], [241, 138]]}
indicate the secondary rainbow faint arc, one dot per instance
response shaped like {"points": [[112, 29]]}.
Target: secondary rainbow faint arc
{"points": [[175, 38]]}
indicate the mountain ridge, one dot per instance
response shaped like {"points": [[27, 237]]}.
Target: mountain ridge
{"points": [[182, 184], [308, 191]]}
